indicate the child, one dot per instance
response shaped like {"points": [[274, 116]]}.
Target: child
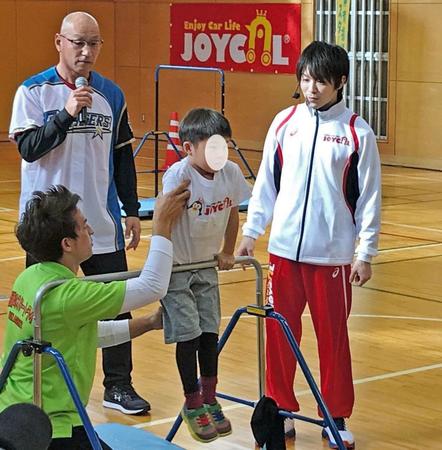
{"points": [[192, 304], [320, 184]]}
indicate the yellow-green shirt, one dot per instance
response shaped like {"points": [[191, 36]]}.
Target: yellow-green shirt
{"points": [[70, 313]]}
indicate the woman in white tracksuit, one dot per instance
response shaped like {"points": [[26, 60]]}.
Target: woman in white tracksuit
{"points": [[320, 184]]}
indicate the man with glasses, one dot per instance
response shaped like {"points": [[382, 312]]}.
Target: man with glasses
{"points": [[92, 157]]}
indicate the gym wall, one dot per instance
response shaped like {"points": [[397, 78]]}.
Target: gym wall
{"points": [[136, 35], [415, 94]]}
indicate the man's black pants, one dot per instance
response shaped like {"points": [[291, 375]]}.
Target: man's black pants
{"points": [[117, 360]]}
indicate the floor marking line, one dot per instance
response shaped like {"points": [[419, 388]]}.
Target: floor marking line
{"points": [[369, 316], [414, 227], [411, 247], [398, 373], [381, 316], [12, 258], [410, 177], [308, 391]]}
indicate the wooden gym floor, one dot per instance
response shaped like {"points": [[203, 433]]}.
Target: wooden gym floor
{"points": [[395, 328]]}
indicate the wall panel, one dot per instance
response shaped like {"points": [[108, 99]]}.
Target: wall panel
{"points": [[129, 80], [251, 104], [8, 73], [184, 90], [127, 34], [419, 42], [154, 34], [146, 85], [35, 38], [418, 122]]}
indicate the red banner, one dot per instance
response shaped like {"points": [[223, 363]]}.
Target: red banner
{"points": [[263, 37]]}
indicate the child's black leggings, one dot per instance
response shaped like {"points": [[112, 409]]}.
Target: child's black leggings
{"points": [[186, 352]]}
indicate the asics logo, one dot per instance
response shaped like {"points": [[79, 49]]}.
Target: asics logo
{"points": [[269, 290], [335, 272]]}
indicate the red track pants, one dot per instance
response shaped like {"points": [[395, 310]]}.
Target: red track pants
{"points": [[326, 289]]}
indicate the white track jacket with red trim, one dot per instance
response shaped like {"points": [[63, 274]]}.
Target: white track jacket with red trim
{"points": [[320, 180]]}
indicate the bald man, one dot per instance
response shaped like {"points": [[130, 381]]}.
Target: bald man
{"points": [[90, 154]]}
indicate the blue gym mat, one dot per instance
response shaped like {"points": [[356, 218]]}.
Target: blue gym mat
{"points": [[148, 204], [124, 437]]}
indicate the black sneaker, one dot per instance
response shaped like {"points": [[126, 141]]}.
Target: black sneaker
{"points": [[125, 399]]}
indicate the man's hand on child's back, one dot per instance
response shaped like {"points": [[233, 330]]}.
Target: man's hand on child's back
{"points": [[225, 261]]}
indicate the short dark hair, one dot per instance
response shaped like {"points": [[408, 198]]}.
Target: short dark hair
{"points": [[47, 219], [325, 62], [201, 123]]}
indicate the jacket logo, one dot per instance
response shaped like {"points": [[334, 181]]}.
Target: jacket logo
{"points": [[338, 139]]}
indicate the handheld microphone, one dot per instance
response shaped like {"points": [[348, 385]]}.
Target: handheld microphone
{"points": [[82, 115], [295, 95]]}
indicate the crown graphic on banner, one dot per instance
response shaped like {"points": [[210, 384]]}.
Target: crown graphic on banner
{"points": [[261, 13]]}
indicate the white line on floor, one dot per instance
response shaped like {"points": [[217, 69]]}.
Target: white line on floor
{"points": [[369, 316], [308, 391], [434, 180], [12, 258], [414, 227], [411, 247]]}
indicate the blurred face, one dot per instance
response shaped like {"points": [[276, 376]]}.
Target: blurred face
{"points": [[78, 44], [82, 244], [197, 158], [319, 94]]}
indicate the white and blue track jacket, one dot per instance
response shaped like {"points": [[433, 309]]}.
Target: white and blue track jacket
{"points": [[84, 160], [320, 184]]}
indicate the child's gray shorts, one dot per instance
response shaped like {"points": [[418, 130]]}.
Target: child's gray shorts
{"points": [[191, 306]]}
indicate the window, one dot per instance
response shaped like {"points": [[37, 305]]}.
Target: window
{"points": [[366, 92]]}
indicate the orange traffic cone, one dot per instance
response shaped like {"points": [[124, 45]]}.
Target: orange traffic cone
{"points": [[171, 156]]}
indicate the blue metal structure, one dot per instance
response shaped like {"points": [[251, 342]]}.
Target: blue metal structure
{"points": [[28, 347], [36, 347], [147, 204], [267, 312]]}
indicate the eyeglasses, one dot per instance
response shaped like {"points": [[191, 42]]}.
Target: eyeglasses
{"points": [[80, 43]]}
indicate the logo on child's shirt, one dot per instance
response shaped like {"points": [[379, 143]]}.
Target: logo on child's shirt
{"points": [[200, 209], [196, 207]]}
